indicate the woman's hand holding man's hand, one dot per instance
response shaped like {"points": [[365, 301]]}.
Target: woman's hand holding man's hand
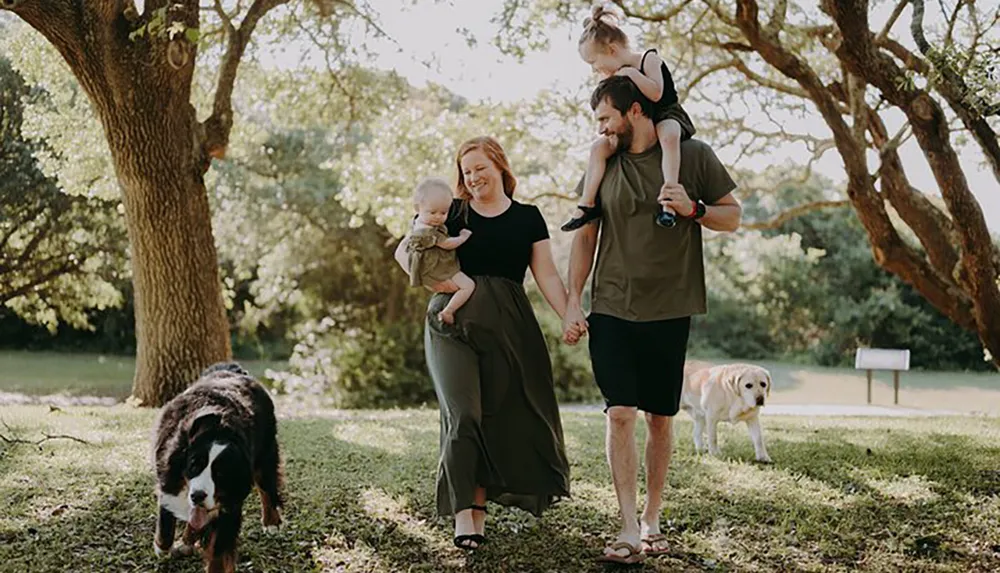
{"points": [[574, 324]]}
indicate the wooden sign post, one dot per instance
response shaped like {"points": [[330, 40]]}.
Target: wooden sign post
{"points": [[882, 359]]}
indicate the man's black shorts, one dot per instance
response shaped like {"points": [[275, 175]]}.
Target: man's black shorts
{"points": [[639, 364]]}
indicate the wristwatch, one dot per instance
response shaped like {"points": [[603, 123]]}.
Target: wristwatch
{"points": [[699, 211]]}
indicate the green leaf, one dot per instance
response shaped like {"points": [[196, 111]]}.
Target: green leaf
{"points": [[138, 33], [192, 35]]}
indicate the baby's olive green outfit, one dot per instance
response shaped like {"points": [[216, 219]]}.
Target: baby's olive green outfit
{"points": [[430, 264]]}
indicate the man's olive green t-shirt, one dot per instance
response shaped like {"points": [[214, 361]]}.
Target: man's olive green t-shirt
{"points": [[645, 272]]}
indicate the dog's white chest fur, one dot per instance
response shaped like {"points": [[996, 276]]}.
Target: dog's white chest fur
{"points": [[177, 504]]}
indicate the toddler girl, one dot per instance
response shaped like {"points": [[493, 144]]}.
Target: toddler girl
{"points": [[605, 47]]}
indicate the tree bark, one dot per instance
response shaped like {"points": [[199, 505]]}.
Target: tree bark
{"points": [[888, 248], [181, 325], [140, 88], [930, 127]]}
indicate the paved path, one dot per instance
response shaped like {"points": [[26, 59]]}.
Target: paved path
{"points": [[8, 398], [823, 410], [60, 400]]}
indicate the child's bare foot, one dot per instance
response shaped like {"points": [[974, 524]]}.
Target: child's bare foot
{"points": [[447, 317]]}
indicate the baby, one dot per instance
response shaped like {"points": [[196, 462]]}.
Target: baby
{"points": [[432, 258]]}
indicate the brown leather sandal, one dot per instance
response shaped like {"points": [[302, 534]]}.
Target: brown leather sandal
{"points": [[635, 554]]}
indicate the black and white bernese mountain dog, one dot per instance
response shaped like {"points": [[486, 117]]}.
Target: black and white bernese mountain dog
{"points": [[213, 443]]}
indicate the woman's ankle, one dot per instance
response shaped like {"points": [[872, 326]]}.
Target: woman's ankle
{"points": [[465, 522]]}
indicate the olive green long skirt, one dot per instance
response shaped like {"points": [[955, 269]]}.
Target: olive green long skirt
{"points": [[500, 426]]}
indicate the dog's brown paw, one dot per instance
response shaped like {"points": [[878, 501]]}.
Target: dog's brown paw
{"points": [[183, 550]]}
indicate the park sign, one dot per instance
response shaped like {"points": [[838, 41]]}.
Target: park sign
{"points": [[882, 359]]}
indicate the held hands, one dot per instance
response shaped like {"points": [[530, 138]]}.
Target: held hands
{"points": [[574, 324], [674, 196]]}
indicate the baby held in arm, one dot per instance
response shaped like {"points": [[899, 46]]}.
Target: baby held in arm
{"points": [[432, 260]]}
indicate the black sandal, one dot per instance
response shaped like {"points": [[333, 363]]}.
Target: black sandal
{"points": [[589, 214], [465, 541]]}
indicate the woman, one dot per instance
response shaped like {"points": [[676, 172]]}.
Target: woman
{"points": [[501, 436]]}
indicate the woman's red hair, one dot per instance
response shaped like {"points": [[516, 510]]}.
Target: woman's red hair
{"points": [[491, 148]]}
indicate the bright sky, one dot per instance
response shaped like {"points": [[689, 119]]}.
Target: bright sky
{"points": [[428, 32]]}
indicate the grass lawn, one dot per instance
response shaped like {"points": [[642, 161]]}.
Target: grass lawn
{"points": [[42, 373], [844, 494]]}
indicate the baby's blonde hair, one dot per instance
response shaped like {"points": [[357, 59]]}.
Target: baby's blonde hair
{"points": [[429, 187]]}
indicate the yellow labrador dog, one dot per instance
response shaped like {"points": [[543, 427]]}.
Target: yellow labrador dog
{"points": [[730, 392]]}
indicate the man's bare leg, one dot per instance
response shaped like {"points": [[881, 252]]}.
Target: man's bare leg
{"points": [[659, 450], [624, 463]]}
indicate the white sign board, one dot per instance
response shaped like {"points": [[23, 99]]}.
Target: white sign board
{"points": [[881, 359]]}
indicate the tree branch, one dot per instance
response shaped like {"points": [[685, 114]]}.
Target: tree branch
{"points": [[917, 26], [218, 125], [793, 213], [931, 130], [888, 248], [948, 38], [661, 17], [227, 20], [16, 221], [704, 73], [352, 112], [40, 280], [721, 14], [775, 85], [908, 58], [856, 101], [46, 437], [60, 21], [728, 46], [900, 6], [777, 21], [953, 88], [41, 233], [935, 231]]}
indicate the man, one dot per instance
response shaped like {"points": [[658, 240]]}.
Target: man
{"points": [[648, 282]]}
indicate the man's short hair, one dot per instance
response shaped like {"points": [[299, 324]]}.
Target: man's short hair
{"points": [[622, 93]]}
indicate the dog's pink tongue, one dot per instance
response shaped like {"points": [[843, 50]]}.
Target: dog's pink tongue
{"points": [[198, 518]]}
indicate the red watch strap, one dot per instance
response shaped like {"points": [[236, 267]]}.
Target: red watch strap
{"points": [[694, 210]]}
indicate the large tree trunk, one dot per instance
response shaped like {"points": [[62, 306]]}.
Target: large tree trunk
{"points": [[181, 324], [140, 88], [180, 320]]}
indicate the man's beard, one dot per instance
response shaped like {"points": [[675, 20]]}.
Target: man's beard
{"points": [[625, 137]]}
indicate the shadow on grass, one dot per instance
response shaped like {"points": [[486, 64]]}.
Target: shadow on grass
{"points": [[841, 497], [360, 498], [350, 507], [954, 464]]}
